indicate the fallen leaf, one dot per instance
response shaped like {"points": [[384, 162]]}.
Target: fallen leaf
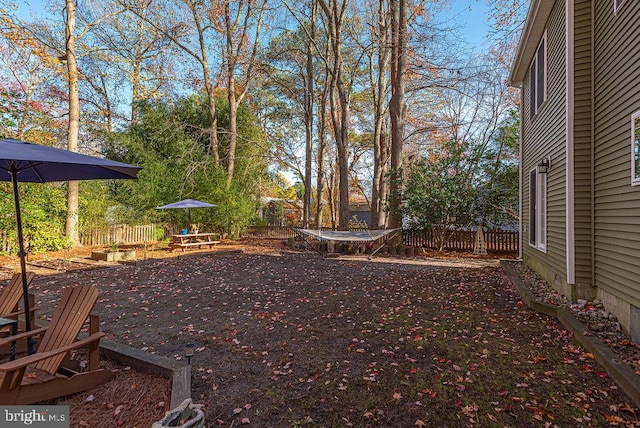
{"points": [[397, 396], [420, 424]]}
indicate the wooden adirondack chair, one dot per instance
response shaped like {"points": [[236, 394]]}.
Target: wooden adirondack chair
{"points": [[11, 296], [39, 377]]}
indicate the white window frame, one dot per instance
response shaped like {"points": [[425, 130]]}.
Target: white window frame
{"points": [[617, 4], [535, 103], [538, 210], [635, 149]]}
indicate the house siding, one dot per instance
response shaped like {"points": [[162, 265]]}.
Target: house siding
{"points": [[616, 203], [582, 135], [543, 136]]}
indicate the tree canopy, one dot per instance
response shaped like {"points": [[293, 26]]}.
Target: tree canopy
{"points": [[349, 100]]}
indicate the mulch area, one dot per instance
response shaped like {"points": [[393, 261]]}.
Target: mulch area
{"points": [[292, 339], [132, 399]]}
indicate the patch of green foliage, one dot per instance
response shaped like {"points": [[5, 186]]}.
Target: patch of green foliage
{"points": [[43, 208], [171, 143], [460, 184]]}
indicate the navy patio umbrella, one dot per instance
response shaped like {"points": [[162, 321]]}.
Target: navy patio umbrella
{"points": [[187, 204], [34, 163]]}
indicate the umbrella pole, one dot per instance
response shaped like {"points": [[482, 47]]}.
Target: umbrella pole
{"points": [[23, 264]]}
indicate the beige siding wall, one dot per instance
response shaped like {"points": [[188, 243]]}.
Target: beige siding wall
{"points": [[582, 141], [617, 203], [544, 135]]}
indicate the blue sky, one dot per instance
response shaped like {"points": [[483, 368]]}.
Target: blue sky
{"points": [[27, 8], [470, 16]]}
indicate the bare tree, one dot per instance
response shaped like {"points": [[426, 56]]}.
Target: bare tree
{"points": [[177, 32], [71, 226], [398, 10], [30, 74], [132, 46], [321, 179], [308, 119], [378, 69], [241, 28], [339, 100]]}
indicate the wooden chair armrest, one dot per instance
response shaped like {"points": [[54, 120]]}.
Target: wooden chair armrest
{"points": [[20, 312], [24, 335], [28, 360], [32, 309]]}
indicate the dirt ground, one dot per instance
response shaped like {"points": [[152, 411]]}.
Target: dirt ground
{"points": [[293, 339]]}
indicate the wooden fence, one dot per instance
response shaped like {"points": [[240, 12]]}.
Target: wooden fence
{"points": [[7, 243], [269, 232], [502, 241], [499, 241], [119, 234]]}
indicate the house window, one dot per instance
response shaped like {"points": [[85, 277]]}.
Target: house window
{"points": [[635, 149], [538, 78], [538, 209], [617, 4]]}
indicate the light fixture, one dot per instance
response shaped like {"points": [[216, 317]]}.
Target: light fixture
{"points": [[544, 165], [189, 351]]}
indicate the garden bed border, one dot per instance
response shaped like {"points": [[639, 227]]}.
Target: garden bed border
{"points": [[619, 371]]}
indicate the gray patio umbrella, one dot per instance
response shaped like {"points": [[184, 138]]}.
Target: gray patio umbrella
{"points": [[187, 204], [34, 163]]}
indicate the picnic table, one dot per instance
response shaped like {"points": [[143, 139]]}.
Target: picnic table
{"points": [[194, 240]]}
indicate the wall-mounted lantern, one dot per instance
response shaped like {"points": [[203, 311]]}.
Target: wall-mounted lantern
{"points": [[544, 166]]}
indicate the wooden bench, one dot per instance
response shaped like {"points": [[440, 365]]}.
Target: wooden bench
{"points": [[193, 240]]}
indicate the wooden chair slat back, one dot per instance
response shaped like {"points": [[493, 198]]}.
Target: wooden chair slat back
{"points": [[12, 293], [75, 306]]}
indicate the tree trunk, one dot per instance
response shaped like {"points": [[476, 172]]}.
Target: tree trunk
{"points": [[236, 42], [136, 73], [322, 127], [379, 89], [71, 226], [233, 127], [397, 106], [333, 203], [135, 90], [381, 176], [208, 86], [107, 104], [308, 117], [343, 156], [335, 14]]}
